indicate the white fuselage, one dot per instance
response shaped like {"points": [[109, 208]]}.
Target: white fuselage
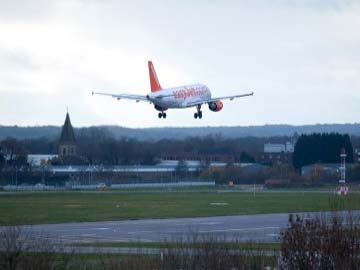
{"points": [[180, 97]]}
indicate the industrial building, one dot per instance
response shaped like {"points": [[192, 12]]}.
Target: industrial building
{"points": [[277, 153]]}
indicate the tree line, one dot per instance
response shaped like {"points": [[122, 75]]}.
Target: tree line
{"points": [[97, 146]]}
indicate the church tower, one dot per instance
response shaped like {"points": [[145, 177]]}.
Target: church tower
{"points": [[67, 143]]}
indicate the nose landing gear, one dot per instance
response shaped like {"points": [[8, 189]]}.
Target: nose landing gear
{"points": [[162, 115], [198, 113]]}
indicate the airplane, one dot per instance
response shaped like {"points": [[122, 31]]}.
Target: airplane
{"points": [[194, 95]]}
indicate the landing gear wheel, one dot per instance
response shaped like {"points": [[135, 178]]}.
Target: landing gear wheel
{"points": [[164, 115], [160, 115], [198, 113]]}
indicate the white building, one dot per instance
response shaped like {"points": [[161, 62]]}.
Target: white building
{"points": [[279, 148], [357, 155], [37, 160]]}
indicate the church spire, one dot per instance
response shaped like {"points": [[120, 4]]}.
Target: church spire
{"points": [[67, 142]]}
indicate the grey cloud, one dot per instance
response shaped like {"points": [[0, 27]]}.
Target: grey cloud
{"points": [[23, 9], [15, 60], [289, 52], [314, 5]]}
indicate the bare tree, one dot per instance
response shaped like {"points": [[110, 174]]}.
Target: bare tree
{"points": [[321, 243], [20, 252], [12, 247]]}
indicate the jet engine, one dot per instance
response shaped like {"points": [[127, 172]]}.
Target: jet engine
{"points": [[215, 106], [161, 109]]}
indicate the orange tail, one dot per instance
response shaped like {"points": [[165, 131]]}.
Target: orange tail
{"points": [[154, 82]]}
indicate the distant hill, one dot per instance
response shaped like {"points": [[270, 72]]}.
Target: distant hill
{"points": [[29, 132], [182, 132]]}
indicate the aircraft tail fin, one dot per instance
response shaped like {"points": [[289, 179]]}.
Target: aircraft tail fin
{"points": [[154, 82]]}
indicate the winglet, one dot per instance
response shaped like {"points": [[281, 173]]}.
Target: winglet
{"points": [[154, 82]]}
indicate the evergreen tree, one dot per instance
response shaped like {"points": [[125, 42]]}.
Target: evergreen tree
{"points": [[2, 161], [181, 168], [321, 148], [246, 158]]}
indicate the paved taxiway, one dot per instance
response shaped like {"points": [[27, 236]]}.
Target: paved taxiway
{"points": [[257, 228]]}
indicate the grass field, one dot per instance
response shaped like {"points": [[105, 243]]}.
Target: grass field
{"points": [[56, 207]]}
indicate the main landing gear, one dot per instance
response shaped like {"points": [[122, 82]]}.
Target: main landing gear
{"points": [[162, 115], [198, 113]]}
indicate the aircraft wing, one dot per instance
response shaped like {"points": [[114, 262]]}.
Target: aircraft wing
{"points": [[137, 98], [219, 98]]}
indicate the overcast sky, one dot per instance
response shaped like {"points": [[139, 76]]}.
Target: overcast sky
{"points": [[301, 58]]}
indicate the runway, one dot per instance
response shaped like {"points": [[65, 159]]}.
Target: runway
{"points": [[256, 228], [66, 237]]}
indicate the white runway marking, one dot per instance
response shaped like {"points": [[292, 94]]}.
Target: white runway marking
{"points": [[273, 234], [209, 223], [87, 234], [239, 229], [139, 232]]}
